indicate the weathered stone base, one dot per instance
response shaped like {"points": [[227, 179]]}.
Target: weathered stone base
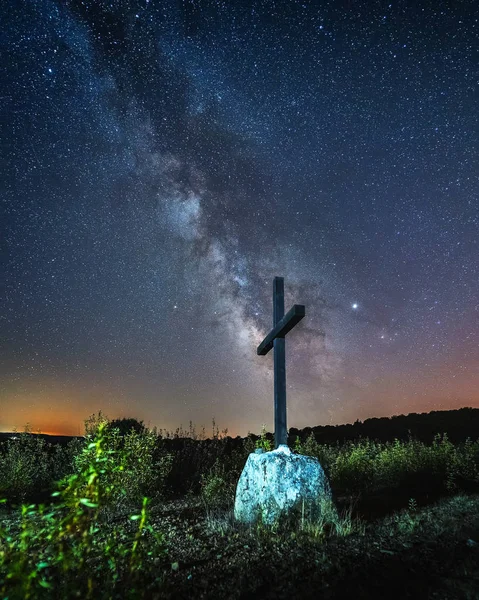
{"points": [[278, 483]]}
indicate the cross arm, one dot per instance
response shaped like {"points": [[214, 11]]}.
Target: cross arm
{"points": [[287, 323]]}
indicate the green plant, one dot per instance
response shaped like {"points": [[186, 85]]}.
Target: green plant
{"points": [[311, 447], [298, 445], [468, 467], [143, 471], [412, 505], [25, 465], [264, 443], [404, 523], [249, 445], [63, 458], [311, 523], [217, 489], [365, 465], [68, 552], [353, 468]]}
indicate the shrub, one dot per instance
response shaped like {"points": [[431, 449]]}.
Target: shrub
{"points": [[217, 487], [264, 443], [365, 465], [25, 466], [353, 469], [66, 553], [63, 458], [395, 461], [249, 445], [468, 467], [143, 470], [310, 447]]}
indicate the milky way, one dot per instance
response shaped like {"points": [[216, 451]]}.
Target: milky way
{"points": [[165, 160]]}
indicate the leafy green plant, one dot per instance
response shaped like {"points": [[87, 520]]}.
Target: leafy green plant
{"points": [[468, 466], [25, 465], [298, 445], [353, 468], [404, 522], [249, 445], [143, 471], [217, 488], [364, 465], [310, 447], [264, 443], [68, 551], [63, 458], [412, 505]]}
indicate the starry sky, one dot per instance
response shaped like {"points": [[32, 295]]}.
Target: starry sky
{"points": [[164, 160]]}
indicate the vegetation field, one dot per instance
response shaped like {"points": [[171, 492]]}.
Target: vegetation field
{"points": [[128, 512]]}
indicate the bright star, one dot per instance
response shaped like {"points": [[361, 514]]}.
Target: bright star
{"points": [[355, 306]]}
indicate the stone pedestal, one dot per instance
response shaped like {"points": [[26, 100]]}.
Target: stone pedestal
{"points": [[278, 483]]}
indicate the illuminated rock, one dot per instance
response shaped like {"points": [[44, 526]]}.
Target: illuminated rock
{"points": [[278, 483]]}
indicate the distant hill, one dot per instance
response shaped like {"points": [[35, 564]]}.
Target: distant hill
{"points": [[458, 424]]}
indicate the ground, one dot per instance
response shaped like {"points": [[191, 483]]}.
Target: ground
{"points": [[424, 552], [431, 552]]}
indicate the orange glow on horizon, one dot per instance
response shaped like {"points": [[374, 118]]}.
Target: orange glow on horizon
{"points": [[54, 407]]}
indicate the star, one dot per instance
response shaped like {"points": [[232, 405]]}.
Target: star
{"points": [[174, 155]]}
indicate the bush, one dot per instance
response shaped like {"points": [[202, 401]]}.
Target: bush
{"points": [[365, 466], [325, 454], [264, 443], [217, 487], [63, 458], [25, 466], [66, 553], [353, 469], [143, 471]]}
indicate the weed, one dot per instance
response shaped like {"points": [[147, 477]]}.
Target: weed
{"points": [[412, 505], [217, 489], [365, 465], [141, 473], [264, 443], [67, 552], [25, 465]]}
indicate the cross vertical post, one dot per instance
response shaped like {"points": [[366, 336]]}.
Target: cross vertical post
{"points": [[276, 339], [279, 344]]}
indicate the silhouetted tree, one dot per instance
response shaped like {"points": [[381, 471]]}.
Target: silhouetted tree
{"points": [[126, 424]]}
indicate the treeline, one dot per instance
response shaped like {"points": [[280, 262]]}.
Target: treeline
{"points": [[457, 424]]}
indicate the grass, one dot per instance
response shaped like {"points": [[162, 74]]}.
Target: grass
{"points": [[110, 530]]}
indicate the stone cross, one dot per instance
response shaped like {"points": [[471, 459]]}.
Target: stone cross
{"points": [[275, 339]]}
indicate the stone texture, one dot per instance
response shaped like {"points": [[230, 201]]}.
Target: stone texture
{"points": [[279, 483]]}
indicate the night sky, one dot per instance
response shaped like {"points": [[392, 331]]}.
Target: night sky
{"points": [[164, 160]]}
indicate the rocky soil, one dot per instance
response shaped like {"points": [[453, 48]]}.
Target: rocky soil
{"points": [[424, 552], [431, 552]]}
